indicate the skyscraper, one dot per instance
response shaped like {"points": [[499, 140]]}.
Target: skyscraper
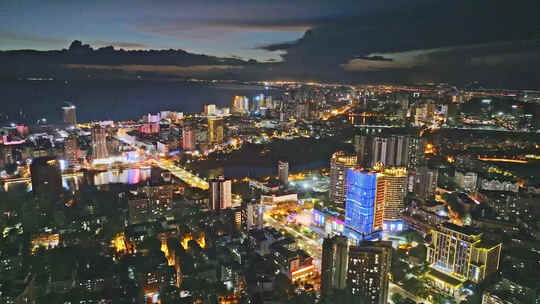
{"points": [[361, 148], [240, 104], [426, 183], [283, 172], [69, 114], [334, 264], [379, 150], [215, 130], [99, 143], [220, 193], [461, 253], [394, 195], [368, 271], [390, 151], [188, 138], [254, 214], [46, 177], [415, 152], [71, 150], [339, 164], [364, 206], [210, 109]]}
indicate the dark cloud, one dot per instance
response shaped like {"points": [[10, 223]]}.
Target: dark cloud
{"points": [[470, 35]]}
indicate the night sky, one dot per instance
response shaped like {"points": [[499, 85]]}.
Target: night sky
{"points": [[495, 41]]}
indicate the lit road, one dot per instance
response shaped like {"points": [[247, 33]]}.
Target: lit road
{"points": [[311, 246], [188, 177]]}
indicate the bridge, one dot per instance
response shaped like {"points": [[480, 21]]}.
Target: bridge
{"points": [[19, 180], [186, 176]]}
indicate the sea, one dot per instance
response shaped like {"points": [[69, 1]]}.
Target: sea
{"points": [[29, 101]]}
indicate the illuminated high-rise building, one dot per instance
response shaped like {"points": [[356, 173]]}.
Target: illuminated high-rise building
{"points": [[334, 264], [99, 143], [457, 254], [364, 206], [69, 114], [71, 150], [215, 130], [368, 271], [240, 104], [188, 138], [339, 164], [394, 196], [254, 215], [210, 110], [46, 177], [220, 193], [283, 172]]}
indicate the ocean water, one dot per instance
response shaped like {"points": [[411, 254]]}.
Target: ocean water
{"points": [[30, 100]]}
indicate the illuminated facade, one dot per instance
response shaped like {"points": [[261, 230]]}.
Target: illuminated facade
{"points": [[461, 254], [240, 104], [364, 207], [99, 143], [220, 193], [368, 270], [188, 138], [70, 115], [71, 150], [396, 189], [339, 164], [215, 130], [328, 221]]}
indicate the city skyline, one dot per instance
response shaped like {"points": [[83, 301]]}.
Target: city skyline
{"points": [[256, 151]]}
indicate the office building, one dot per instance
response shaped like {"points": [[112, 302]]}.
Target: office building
{"points": [[188, 138], [508, 292], [396, 189], [283, 172], [457, 254], [210, 110], [71, 150], [339, 164], [415, 152], [70, 115], [240, 104], [215, 130], [362, 150], [334, 264], [379, 147], [364, 206], [99, 143], [468, 181], [368, 271], [254, 215], [220, 193], [390, 151], [46, 177], [425, 180]]}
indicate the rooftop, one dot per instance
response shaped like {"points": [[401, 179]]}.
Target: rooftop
{"points": [[440, 276], [461, 229]]}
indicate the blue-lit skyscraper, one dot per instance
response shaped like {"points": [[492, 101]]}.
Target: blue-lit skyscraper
{"points": [[364, 204]]}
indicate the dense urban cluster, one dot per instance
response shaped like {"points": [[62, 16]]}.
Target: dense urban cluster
{"points": [[301, 193]]}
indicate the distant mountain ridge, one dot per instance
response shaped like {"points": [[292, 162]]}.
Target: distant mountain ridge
{"points": [[79, 53]]}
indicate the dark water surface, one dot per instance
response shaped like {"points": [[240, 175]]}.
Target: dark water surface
{"points": [[113, 100]]}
